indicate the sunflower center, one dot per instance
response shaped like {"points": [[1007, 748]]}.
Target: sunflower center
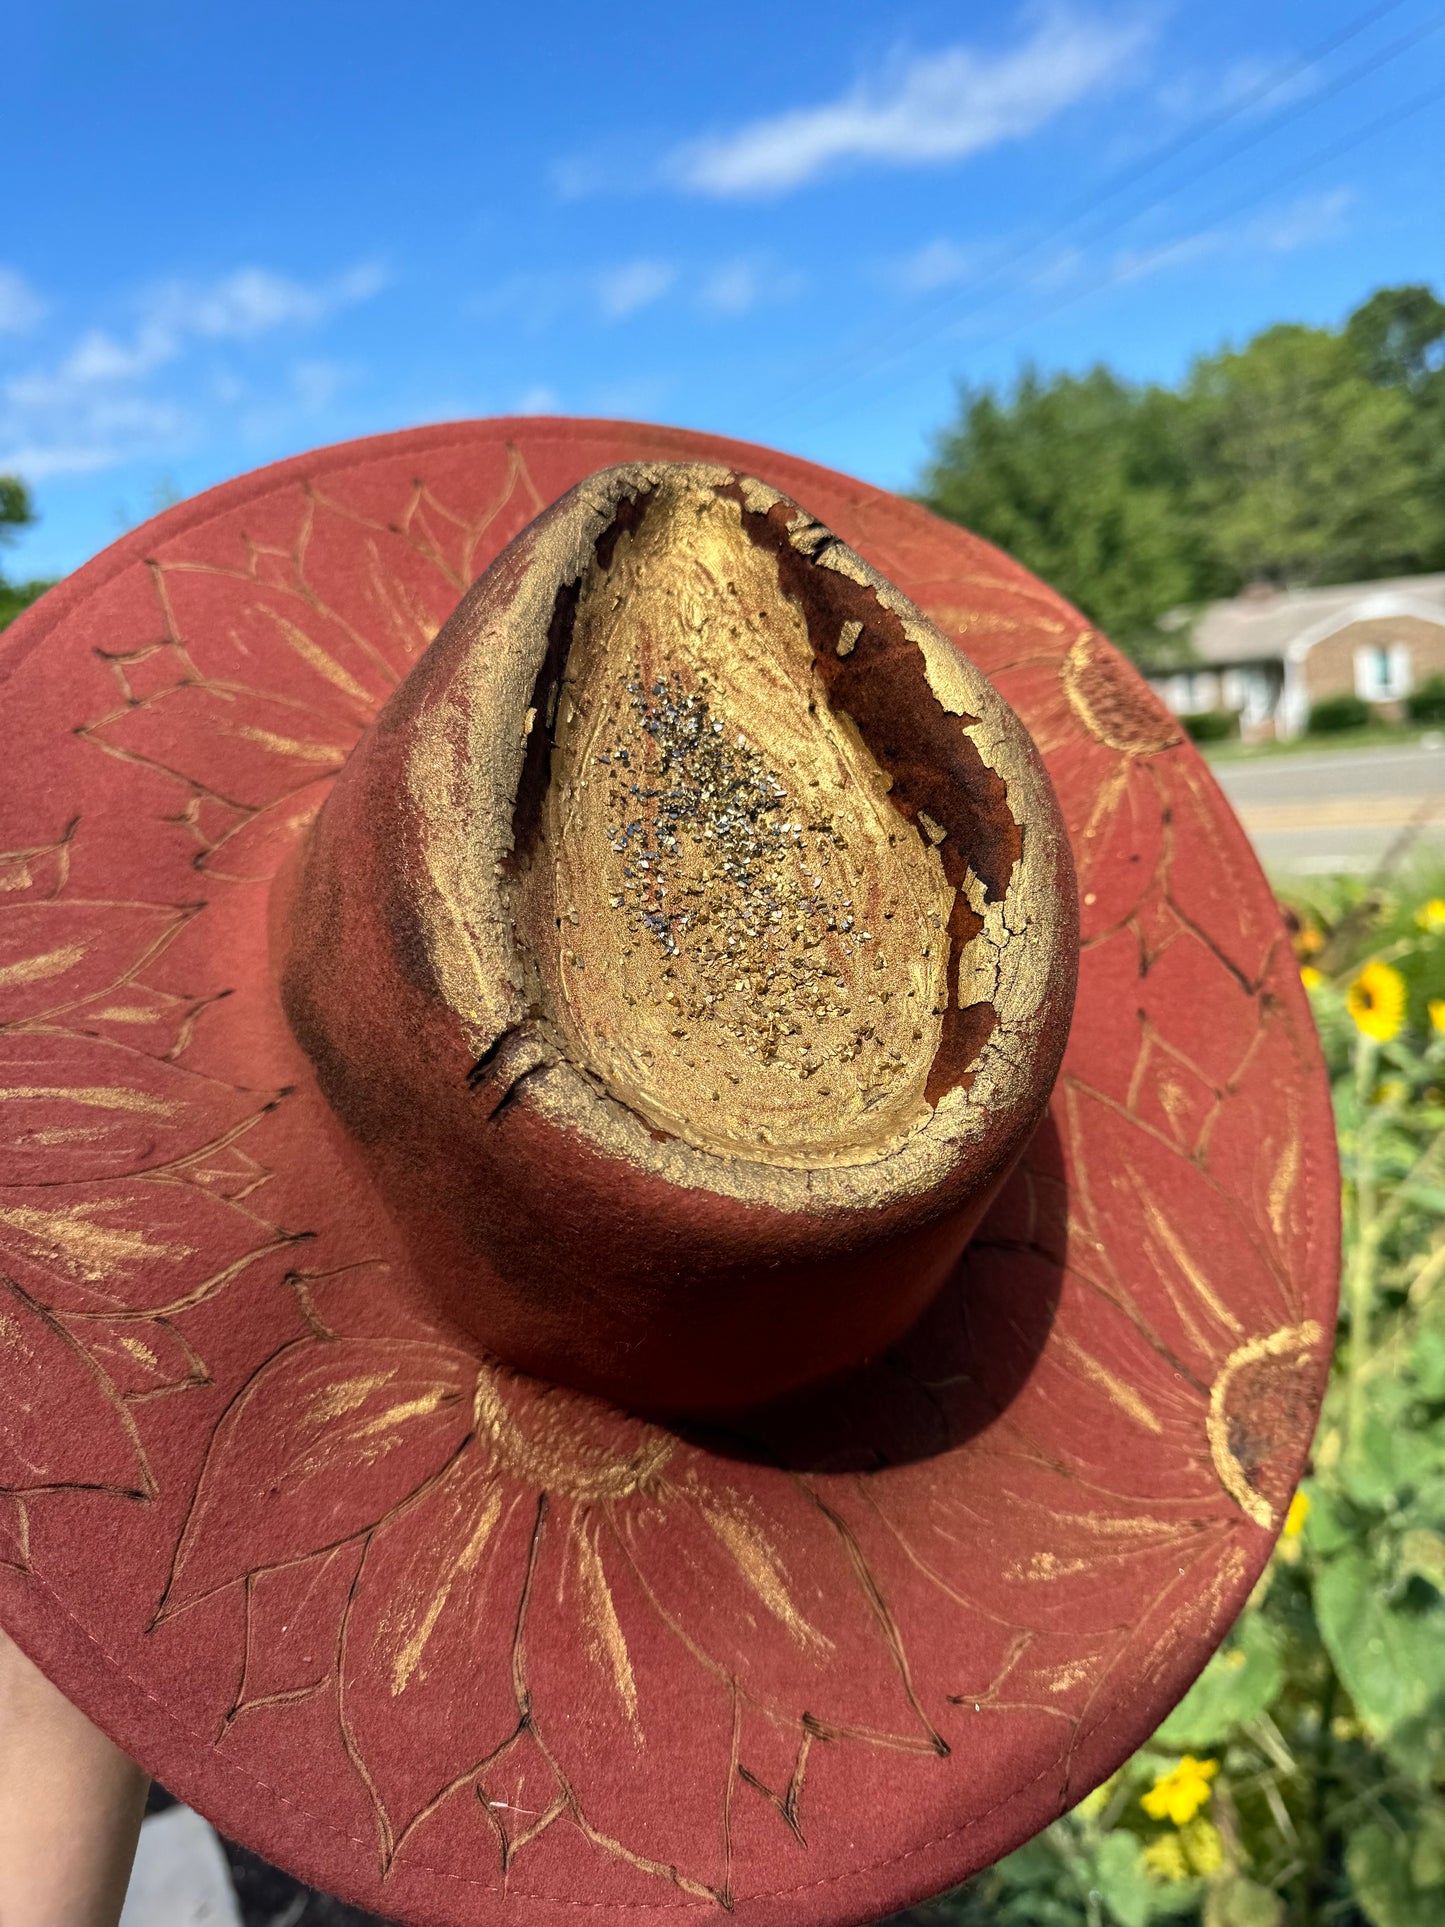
{"points": [[735, 927]]}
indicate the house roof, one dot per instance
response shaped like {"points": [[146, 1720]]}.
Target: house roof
{"points": [[1265, 624]]}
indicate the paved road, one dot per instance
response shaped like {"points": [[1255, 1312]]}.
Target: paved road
{"points": [[1339, 810]]}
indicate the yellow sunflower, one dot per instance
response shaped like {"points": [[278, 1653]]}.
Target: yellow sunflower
{"points": [[1437, 1014], [1164, 1859], [1431, 916], [1310, 977], [1179, 1794], [1376, 1001]]}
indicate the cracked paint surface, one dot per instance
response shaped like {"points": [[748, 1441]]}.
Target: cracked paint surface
{"points": [[459, 1646]]}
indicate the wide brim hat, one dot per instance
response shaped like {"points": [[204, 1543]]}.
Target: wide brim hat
{"points": [[461, 1646]]}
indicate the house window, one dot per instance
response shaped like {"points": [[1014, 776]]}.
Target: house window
{"points": [[1382, 672]]}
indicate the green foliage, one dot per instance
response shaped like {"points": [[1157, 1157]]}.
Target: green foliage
{"points": [[16, 513], [1085, 480], [1308, 455], [1211, 725], [1427, 703], [1305, 471], [1336, 713], [1325, 1708]]}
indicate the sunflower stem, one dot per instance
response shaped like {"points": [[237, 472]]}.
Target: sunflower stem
{"points": [[1361, 1279]]}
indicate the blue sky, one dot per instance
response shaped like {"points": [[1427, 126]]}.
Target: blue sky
{"points": [[232, 233]]}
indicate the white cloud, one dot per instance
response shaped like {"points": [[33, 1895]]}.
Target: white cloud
{"points": [[252, 301], [750, 281], [1253, 85], [625, 290], [938, 264], [1306, 223], [20, 306], [93, 406], [929, 109], [37, 464], [1313, 220]]}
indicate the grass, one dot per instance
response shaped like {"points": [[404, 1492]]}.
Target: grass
{"points": [[1372, 736]]}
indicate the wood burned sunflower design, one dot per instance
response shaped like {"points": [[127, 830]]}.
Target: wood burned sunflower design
{"points": [[612, 1603]]}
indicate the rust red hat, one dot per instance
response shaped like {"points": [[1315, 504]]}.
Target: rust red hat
{"points": [[462, 1645]]}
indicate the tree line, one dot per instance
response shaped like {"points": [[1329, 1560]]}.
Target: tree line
{"points": [[16, 513], [1309, 455]]}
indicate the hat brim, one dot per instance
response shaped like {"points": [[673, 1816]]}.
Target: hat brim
{"points": [[460, 1647]]}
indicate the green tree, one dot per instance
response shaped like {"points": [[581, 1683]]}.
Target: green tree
{"points": [[1398, 339], [1304, 469], [1307, 455], [1084, 479], [16, 513]]}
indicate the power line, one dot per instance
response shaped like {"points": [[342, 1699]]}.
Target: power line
{"points": [[915, 329], [1392, 117]]}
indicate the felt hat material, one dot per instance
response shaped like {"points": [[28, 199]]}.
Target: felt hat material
{"points": [[461, 1646]]}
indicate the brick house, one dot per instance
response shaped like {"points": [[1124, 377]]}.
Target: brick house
{"points": [[1270, 654]]}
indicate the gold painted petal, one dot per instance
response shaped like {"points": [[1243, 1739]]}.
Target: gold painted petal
{"points": [[1083, 1553], [1242, 925], [775, 1594], [1268, 1148], [74, 1109], [62, 1424], [52, 955], [320, 1444], [428, 1692], [1160, 1240], [140, 1356], [133, 1245], [256, 848], [319, 658], [243, 747], [642, 1731]]}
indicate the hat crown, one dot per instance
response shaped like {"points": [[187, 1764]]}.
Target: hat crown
{"points": [[694, 919]]}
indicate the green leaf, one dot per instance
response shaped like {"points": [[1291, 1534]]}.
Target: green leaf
{"points": [[1370, 1472], [1427, 1361], [1237, 1902], [1326, 1529], [1423, 1552], [1124, 1884], [1392, 1662], [1238, 1684], [1381, 1869], [1427, 1857]]}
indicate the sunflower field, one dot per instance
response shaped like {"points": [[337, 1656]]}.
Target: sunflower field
{"points": [[1301, 1782]]}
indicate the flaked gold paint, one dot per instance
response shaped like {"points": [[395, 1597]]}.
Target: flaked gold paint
{"points": [[464, 766]]}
